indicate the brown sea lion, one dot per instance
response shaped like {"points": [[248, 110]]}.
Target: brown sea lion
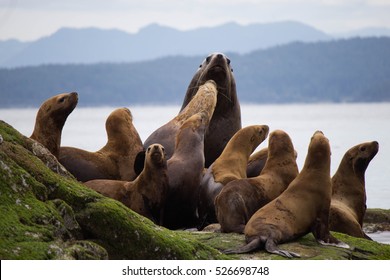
{"points": [[147, 193], [230, 165], [348, 204], [185, 170], [240, 199], [302, 208], [205, 99], [256, 163], [226, 120], [51, 118], [115, 160]]}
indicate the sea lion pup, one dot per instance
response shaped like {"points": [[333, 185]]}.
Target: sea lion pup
{"points": [[230, 165], [256, 163], [51, 118], [115, 160], [348, 204], [185, 170], [240, 199], [226, 120], [147, 193], [205, 99], [301, 208]]}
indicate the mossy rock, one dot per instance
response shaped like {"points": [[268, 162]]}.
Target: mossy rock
{"points": [[47, 214]]}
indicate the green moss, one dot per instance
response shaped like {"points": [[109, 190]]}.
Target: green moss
{"points": [[49, 215]]}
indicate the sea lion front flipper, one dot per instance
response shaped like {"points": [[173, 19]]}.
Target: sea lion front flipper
{"points": [[271, 247]]}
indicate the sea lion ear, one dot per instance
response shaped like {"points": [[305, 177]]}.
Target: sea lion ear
{"points": [[139, 162]]}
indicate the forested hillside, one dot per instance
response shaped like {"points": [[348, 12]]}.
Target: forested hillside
{"points": [[353, 70]]}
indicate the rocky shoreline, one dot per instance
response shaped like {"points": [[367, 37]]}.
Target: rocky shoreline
{"points": [[47, 214]]}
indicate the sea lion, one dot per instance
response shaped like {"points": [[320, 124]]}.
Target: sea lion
{"points": [[256, 163], [115, 160], [240, 199], [301, 208], [147, 193], [51, 118], [230, 165], [348, 204], [226, 120], [185, 170], [205, 99]]}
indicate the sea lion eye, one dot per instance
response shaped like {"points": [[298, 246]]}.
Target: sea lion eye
{"points": [[200, 66], [228, 61], [208, 59], [62, 99], [149, 149], [362, 149]]}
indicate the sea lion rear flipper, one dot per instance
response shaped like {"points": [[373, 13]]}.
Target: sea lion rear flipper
{"points": [[271, 247], [251, 246]]}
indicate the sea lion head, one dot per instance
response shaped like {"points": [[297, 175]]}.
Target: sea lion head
{"points": [[319, 152], [155, 155], [280, 143], [216, 67], [118, 122], [58, 108], [360, 155]]}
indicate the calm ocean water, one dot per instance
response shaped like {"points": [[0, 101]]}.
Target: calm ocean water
{"points": [[345, 125]]}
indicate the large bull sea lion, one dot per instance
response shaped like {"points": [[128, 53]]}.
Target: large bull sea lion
{"points": [[226, 120]]}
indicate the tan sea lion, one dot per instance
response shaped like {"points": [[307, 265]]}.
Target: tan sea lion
{"points": [[115, 160], [230, 165], [51, 118], [302, 208], [348, 204], [240, 199], [226, 120], [147, 193], [256, 163], [205, 99], [185, 170]]}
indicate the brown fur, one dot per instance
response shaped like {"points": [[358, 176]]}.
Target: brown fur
{"points": [[205, 100], [240, 199], [115, 160], [230, 165], [51, 118], [226, 120], [302, 208], [348, 205], [147, 193], [185, 169]]}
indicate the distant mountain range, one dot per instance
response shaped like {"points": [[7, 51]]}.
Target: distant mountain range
{"points": [[346, 70], [93, 45]]}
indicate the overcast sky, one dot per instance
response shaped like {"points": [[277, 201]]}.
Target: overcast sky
{"points": [[31, 19]]}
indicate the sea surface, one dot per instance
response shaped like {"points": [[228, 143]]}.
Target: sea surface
{"points": [[345, 125]]}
